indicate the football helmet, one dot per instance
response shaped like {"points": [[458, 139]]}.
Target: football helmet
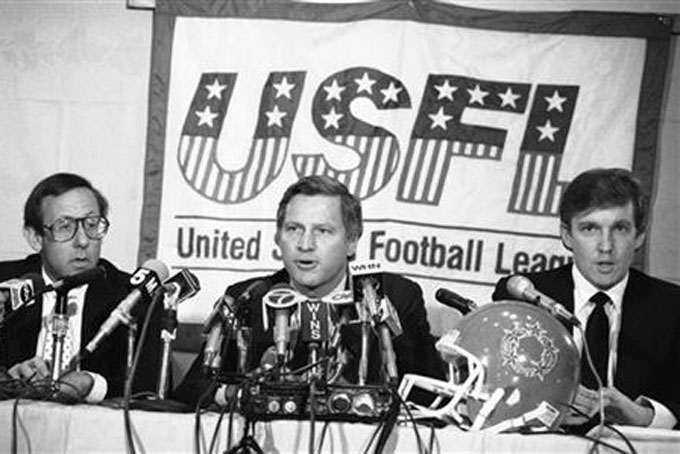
{"points": [[511, 365]]}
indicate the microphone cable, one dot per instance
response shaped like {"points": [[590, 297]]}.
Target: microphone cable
{"points": [[127, 394], [409, 414], [209, 391]]}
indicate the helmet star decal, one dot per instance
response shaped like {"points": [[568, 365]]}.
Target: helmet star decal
{"points": [[518, 350]]}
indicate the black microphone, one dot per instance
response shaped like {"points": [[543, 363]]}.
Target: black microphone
{"points": [[186, 283], [84, 277], [145, 281], [521, 287], [17, 293], [455, 301], [244, 360], [218, 326], [282, 300]]}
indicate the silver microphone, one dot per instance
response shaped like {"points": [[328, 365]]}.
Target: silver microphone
{"points": [[521, 287]]}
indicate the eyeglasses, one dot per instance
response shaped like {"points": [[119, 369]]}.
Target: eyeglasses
{"points": [[64, 229]]}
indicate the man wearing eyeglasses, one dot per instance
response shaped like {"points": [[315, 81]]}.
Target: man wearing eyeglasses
{"points": [[65, 222]]}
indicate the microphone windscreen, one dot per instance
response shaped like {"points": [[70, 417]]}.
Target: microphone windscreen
{"points": [[157, 267]]}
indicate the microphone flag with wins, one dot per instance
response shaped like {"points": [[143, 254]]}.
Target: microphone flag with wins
{"points": [[314, 321]]}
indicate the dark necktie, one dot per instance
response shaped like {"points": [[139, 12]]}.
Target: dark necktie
{"points": [[597, 338]]}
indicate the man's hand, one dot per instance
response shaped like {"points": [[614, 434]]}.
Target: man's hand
{"points": [[30, 370], [586, 405], [73, 385], [618, 408]]}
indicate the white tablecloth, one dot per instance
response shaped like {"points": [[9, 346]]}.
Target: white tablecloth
{"points": [[45, 427]]}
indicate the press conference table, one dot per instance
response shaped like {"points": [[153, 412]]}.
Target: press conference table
{"points": [[45, 427]]}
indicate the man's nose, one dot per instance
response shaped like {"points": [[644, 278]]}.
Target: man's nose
{"points": [[81, 239], [605, 244], [307, 241]]}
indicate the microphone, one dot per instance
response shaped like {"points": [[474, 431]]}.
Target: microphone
{"points": [[171, 294], [221, 319], [521, 287], [363, 274], [282, 299], [17, 293], [186, 283], [314, 330], [455, 301], [84, 277], [379, 309], [243, 323], [145, 281]]}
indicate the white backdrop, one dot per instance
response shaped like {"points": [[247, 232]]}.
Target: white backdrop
{"points": [[73, 97]]}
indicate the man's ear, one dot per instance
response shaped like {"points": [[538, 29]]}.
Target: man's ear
{"points": [[640, 239], [565, 234], [352, 248], [34, 239]]}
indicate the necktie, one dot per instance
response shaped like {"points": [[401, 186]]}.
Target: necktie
{"points": [[68, 347], [597, 338]]}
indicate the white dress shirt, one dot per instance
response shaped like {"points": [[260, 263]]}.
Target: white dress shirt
{"points": [[583, 292]]}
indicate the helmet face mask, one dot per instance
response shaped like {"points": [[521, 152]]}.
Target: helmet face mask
{"points": [[511, 365]]}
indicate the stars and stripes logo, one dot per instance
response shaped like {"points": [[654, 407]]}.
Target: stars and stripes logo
{"points": [[378, 149], [439, 134], [536, 188], [197, 154]]}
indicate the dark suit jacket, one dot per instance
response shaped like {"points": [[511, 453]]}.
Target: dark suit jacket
{"points": [[414, 348], [649, 340], [19, 336]]}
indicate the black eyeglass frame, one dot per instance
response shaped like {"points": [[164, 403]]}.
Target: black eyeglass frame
{"points": [[102, 227]]}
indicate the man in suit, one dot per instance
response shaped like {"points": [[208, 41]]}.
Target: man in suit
{"points": [[603, 220], [65, 222], [318, 226]]}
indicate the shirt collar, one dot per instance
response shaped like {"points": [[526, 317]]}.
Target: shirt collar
{"points": [[341, 287], [584, 290]]}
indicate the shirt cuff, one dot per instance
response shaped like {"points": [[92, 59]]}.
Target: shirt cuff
{"points": [[663, 418], [221, 396], [99, 389]]}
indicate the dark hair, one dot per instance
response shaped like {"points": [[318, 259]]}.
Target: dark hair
{"points": [[54, 186], [322, 185], [603, 188]]}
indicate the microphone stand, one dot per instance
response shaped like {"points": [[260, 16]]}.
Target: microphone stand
{"points": [[160, 402], [168, 335], [59, 330], [132, 335]]}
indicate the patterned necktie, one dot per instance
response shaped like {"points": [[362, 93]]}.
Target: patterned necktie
{"points": [[68, 347], [597, 339]]}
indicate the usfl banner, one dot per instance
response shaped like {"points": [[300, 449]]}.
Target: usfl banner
{"points": [[457, 128]]}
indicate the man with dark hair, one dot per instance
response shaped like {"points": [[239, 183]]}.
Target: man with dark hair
{"points": [[631, 321], [65, 221], [318, 226]]}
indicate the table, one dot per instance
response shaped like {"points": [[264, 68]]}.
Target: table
{"points": [[46, 427]]}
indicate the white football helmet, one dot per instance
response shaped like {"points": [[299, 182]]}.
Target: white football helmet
{"points": [[511, 365]]}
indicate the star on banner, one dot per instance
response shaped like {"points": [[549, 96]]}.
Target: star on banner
{"points": [[334, 91], [439, 119], [205, 116], [555, 101], [477, 95], [365, 84], [332, 118], [445, 90], [283, 88], [547, 131], [215, 89], [508, 98], [275, 116], [390, 93]]}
